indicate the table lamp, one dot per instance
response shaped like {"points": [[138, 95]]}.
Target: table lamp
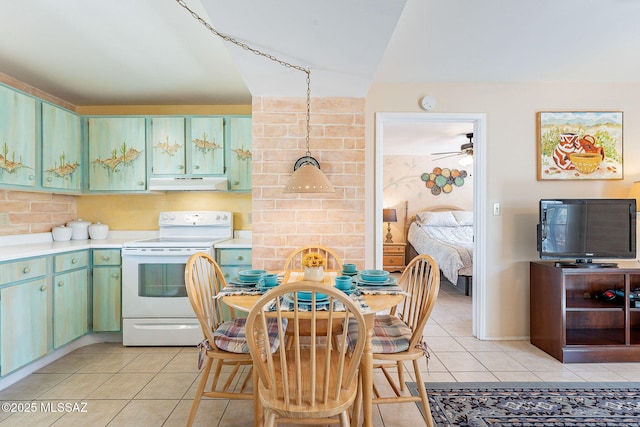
{"points": [[389, 216]]}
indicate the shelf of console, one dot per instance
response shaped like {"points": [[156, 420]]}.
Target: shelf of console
{"points": [[585, 315]]}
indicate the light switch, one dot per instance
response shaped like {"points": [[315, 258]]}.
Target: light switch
{"points": [[4, 219], [496, 209]]}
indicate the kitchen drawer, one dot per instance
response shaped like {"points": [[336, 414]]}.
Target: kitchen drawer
{"points": [[22, 270], [393, 260], [233, 256], [106, 257], [70, 261]]}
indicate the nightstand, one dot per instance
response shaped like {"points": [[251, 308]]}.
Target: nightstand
{"points": [[393, 256]]}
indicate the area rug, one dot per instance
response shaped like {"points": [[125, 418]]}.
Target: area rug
{"points": [[533, 404]]}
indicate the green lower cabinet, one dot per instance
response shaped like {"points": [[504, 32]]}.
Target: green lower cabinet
{"points": [[24, 324], [69, 306], [106, 299], [232, 260]]}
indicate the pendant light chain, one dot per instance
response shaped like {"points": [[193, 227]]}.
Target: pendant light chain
{"points": [[270, 57]]}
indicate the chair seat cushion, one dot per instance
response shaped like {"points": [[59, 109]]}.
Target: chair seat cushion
{"points": [[231, 335], [390, 334]]}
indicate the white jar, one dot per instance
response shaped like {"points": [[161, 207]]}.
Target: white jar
{"points": [[61, 233], [79, 229], [98, 231]]}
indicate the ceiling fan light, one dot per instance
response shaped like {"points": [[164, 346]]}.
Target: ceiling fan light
{"points": [[308, 179], [466, 160]]}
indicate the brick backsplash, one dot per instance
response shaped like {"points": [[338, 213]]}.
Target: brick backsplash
{"points": [[283, 222], [35, 212]]}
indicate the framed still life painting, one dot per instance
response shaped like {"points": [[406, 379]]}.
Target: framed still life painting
{"points": [[579, 145]]}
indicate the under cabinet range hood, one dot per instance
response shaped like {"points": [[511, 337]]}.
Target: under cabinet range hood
{"points": [[206, 183]]}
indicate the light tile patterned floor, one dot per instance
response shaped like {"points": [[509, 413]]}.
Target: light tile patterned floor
{"points": [[149, 386]]}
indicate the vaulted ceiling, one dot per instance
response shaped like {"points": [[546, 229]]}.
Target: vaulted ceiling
{"points": [[154, 52]]}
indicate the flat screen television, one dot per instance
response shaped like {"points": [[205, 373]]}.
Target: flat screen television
{"points": [[577, 231]]}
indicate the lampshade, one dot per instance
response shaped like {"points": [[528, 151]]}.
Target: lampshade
{"points": [[634, 193], [309, 179], [389, 215]]}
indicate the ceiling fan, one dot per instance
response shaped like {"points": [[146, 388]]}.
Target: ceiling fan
{"points": [[465, 149]]}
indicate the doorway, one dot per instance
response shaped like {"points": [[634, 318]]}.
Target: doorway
{"points": [[478, 121]]}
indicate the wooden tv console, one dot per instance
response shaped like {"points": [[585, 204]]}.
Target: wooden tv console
{"points": [[569, 323]]}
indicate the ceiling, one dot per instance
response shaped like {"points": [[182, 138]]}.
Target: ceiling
{"points": [[154, 52]]}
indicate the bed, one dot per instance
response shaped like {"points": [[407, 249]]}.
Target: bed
{"points": [[447, 235]]}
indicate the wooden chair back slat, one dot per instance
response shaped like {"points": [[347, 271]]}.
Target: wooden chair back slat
{"points": [[311, 378]]}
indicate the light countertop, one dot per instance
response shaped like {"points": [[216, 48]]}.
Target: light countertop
{"points": [[40, 244], [234, 243]]}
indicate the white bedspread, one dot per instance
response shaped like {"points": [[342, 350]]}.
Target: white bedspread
{"points": [[451, 247]]}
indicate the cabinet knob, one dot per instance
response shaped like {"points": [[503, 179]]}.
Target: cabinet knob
{"points": [[105, 258], [74, 261], [43, 288], [239, 257], [26, 270], [141, 183], [196, 167], [181, 167], [61, 283], [115, 275]]}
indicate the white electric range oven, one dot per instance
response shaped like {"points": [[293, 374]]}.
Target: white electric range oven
{"points": [[155, 307]]}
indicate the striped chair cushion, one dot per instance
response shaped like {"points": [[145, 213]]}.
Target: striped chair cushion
{"points": [[390, 334], [231, 335]]}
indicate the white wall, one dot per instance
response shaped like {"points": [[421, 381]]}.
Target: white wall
{"points": [[402, 183], [511, 170]]}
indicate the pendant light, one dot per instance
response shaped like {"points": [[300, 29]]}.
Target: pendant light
{"points": [[307, 176]]}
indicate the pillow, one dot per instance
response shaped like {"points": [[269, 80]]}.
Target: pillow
{"points": [[438, 219], [463, 217]]}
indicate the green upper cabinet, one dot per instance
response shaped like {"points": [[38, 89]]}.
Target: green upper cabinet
{"points": [[61, 149], [17, 138], [206, 144], [117, 154], [240, 153], [167, 142]]}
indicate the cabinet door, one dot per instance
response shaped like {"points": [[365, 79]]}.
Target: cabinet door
{"points": [[69, 306], [17, 138], [106, 299], [61, 149], [240, 153], [207, 146], [167, 139], [23, 322], [116, 153]]}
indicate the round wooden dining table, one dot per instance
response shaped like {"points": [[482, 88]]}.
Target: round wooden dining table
{"points": [[375, 303]]}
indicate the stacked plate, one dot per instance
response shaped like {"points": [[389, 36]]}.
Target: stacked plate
{"points": [[305, 299], [247, 278], [375, 278]]}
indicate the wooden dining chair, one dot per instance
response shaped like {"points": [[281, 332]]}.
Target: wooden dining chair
{"points": [[306, 384], [398, 336], [224, 340], [294, 261]]}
